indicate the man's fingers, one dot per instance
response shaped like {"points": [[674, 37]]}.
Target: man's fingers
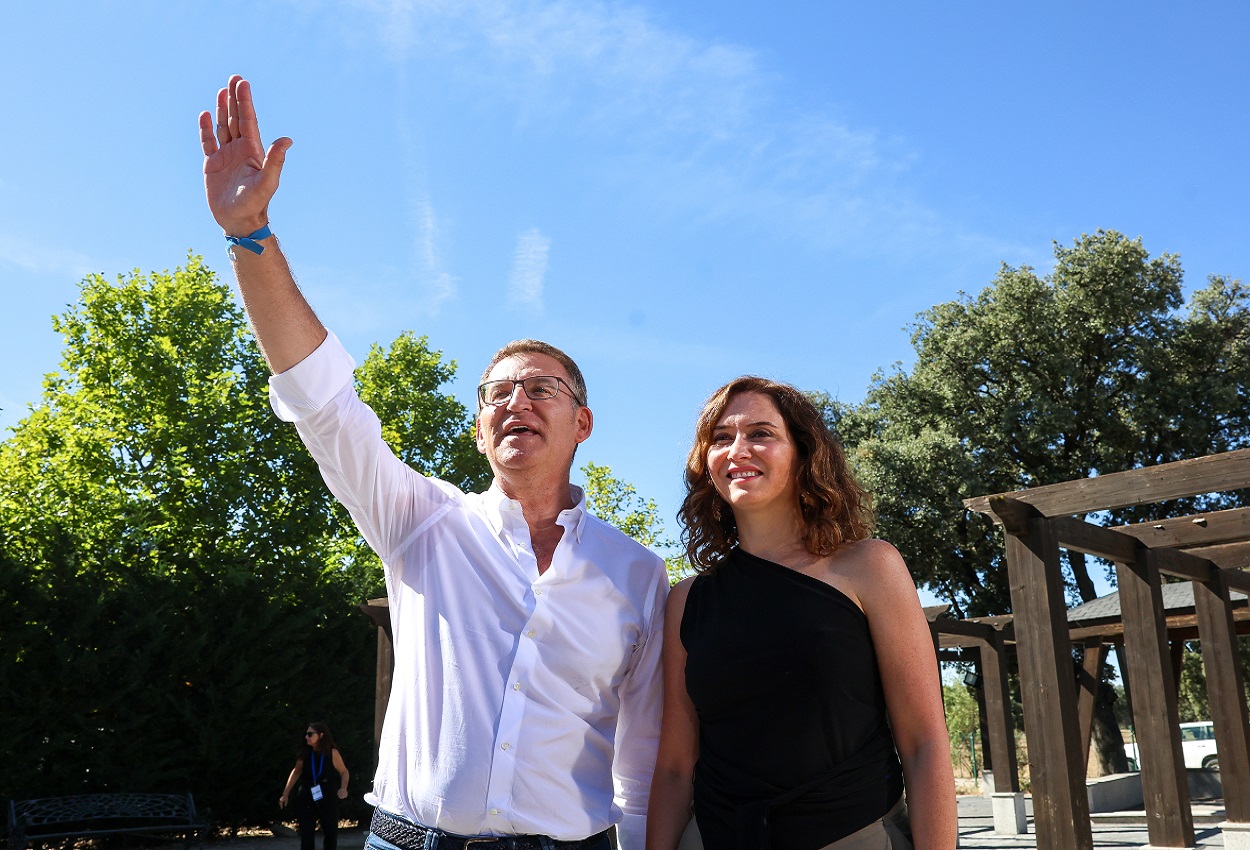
{"points": [[271, 170], [233, 105], [248, 125], [223, 117], [207, 138]]}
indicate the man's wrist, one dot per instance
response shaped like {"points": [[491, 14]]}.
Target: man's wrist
{"points": [[249, 242]]}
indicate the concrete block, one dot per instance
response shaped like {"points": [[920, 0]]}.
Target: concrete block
{"points": [[1236, 835], [1115, 793], [1009, 817]]}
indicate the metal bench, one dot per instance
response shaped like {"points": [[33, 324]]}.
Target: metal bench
{"points": [[92, 815]]}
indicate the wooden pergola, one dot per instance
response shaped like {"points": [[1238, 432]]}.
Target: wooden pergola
{"points": [[1210, 550]]}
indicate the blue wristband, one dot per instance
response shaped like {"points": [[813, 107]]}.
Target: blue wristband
{"points": [[250, 242]]}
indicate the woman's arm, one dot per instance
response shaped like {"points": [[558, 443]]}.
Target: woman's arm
{"points": [[672, 787], [337, 761], [290, 782], [913, 693]]}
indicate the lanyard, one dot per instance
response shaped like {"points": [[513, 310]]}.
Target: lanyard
{"points": [[316, 768]]}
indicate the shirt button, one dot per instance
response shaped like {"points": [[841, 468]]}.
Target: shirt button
{"points": [[538, 592], [494, 811], [516, 686], [530, 633], [505, 746]]}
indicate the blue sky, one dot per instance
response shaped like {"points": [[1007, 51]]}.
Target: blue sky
{"points": [[675, 193]]}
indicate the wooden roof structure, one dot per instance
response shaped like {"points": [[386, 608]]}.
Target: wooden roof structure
{"points": [[1210, 551]]}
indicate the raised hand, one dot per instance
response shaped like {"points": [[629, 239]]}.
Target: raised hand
{"points": [[240, 177]]}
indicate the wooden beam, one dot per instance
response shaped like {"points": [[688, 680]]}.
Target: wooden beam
{"points": [[1095, 540], [1227, 556], [1225, 693], [1174, 562], [1011, 513], [1237, 580], [1196, 530], [1147, 485], [1060, 803], [1183, 628], [1155, 717], [963, 628], [1121, 548]]}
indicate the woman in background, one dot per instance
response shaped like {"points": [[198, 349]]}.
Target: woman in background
{"points": [[319, 795], [801, 688]]}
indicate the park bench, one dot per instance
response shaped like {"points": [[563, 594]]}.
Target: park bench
{"points": [[94, 815]]}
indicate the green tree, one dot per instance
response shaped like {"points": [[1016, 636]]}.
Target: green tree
{"points": [[154, 442], [963, 724], [1094, 367], [617, 502], [182, 580]]}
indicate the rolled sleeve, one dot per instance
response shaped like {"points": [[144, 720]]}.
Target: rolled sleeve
{"points": [[310, 384]]}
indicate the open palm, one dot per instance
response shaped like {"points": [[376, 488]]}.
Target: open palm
{"points": [[240, 178]]}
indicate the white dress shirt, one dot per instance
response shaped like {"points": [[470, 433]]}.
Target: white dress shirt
{"points": [[520, 703]]}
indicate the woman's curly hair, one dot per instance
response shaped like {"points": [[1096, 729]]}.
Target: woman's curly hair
{"points": [[834, 507]]}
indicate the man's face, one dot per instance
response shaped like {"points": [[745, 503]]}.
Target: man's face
{"points": [[529, 435]]}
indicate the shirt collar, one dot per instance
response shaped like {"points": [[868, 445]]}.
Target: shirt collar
{"points": [[500, 505]]}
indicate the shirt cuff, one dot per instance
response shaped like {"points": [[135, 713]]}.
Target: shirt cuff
{"points": [[631, 832], [310, 384]]}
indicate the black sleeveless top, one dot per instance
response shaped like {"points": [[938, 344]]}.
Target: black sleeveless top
{"points": [[794, 746], [327, 777]]}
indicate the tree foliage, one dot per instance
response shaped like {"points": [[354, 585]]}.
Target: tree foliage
{"points": [[1096, 367], [1089, 369], [617, 502], [182, 581]]}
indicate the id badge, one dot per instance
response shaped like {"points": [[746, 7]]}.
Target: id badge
{"points": [[316, 792]]}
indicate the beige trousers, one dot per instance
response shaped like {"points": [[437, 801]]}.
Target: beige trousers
{"points": [[885, 834], [888, 833]]}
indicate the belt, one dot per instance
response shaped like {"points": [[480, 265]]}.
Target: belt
{"points": [[408, 835]]}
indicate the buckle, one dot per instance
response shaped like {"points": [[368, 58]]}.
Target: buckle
{"points": [[469, 842]]}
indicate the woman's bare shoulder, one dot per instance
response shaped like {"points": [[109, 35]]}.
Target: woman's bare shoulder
{"points": [[872, 569], [871, 553]]}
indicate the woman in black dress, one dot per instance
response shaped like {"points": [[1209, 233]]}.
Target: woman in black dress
{"points": [[801, 689], [320, 792]]}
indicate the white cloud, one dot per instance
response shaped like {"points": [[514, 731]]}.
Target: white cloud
{"points": [[44, 259], [529, 267], [440, 285], [699, 127]]}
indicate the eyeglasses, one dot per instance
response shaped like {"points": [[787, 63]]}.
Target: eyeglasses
{"points": [[309, 734], [537, 387]]}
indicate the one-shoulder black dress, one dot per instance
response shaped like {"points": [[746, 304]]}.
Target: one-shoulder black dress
{"points": [[795, 750]]}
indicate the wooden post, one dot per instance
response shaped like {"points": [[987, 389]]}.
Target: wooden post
{"points": [[379, 611], [382, 689], [1155, 717], [997, 696], [1225, 692], [1089, 677], [1060, 804]]}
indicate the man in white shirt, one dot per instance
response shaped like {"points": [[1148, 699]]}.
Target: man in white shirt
{"points": [[525, 703]]}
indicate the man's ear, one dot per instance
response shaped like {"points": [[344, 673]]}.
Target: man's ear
{"points": [[585, 423], [477, 435]]}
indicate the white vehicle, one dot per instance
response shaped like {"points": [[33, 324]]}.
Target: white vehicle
{"points": [[1197, 746]]}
